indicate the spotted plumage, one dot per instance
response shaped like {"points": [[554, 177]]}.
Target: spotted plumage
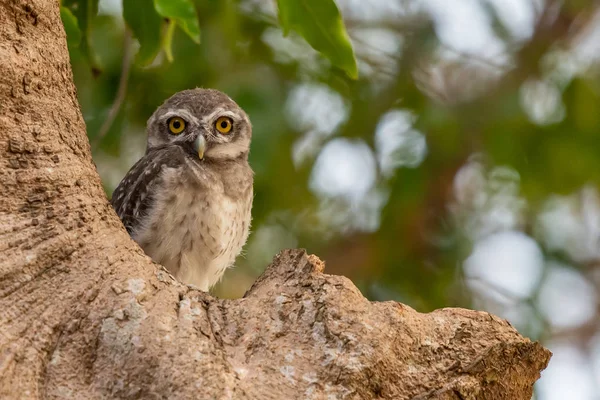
{"points": [[187, 201]]}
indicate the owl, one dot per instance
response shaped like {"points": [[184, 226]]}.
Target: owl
{"points": [[187, 202]]}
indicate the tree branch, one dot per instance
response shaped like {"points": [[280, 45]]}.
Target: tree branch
{"points": [[121, 90]]}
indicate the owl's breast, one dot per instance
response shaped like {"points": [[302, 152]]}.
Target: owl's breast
{"points": [[219, 228], [222, 223], [196, 228]]}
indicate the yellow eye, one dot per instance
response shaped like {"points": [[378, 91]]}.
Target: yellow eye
{"points": [[176, 125], [223, 124]]}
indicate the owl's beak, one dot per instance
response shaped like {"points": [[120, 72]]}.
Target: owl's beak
{"points": [[200, 146]]}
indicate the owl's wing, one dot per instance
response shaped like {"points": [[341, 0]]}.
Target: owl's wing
{"points": [[134, 195]]}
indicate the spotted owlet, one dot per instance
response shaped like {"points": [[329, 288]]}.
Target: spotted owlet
{"points": [[187, 201]]}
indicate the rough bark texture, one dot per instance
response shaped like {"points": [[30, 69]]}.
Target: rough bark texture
{"points": [[85, 314]]}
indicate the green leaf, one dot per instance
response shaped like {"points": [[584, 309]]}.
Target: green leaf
{"points": [[145, 23], [320, 23], [84, 11], [183, 13], [71, 27]]}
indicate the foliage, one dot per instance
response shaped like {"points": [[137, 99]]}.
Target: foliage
{"points": [[71, 27], [146, 24], [320, 23]]}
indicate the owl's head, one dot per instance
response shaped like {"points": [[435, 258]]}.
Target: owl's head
{"points": [[205, 122]]}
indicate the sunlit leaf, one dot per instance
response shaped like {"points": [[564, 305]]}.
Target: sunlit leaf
{"points": [[167, 42], [320, 23], [183, 13], [71, 27], [145, 23]]}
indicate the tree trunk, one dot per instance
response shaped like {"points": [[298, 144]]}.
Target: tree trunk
{"points": [[85, 314]]}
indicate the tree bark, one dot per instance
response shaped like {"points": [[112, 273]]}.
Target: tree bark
{"points": [[85, 314]]}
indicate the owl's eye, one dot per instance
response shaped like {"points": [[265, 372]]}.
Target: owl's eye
{"points": [[176, 125], [223, 125]]}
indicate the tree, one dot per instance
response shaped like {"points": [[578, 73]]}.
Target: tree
{"points": [[85, 314]]}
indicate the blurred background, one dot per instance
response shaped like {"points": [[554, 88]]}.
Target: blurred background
{"points": [[460, 169]]}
